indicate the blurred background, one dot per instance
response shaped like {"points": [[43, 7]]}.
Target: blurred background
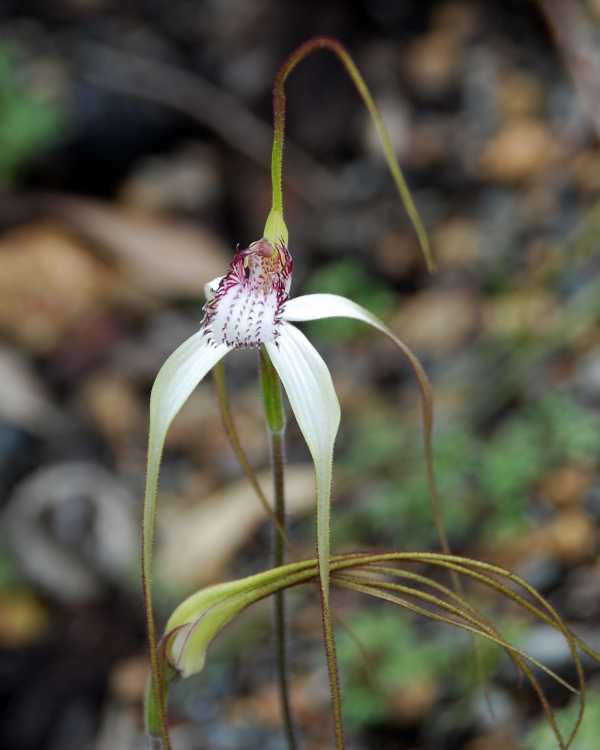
{"points": [[134, 156]]}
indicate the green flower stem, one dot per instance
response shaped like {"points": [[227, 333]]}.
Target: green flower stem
{"points": [[275, 225], [236, 445], [275, 417], [152, 715]]}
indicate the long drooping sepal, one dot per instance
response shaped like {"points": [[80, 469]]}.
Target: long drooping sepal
{"points": [[318, 306], [314, 402], [177, 378], [309, 388]]}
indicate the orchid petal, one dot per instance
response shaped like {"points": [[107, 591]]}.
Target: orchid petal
{"points": [[177, 378], [311, 394], [319, 306]]}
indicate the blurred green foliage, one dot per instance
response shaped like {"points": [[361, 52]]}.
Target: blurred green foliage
{"points": [[391, 657], [388, 467], [350, 279], [540, 737], [536, 438], [486, 482], [27, 122]]}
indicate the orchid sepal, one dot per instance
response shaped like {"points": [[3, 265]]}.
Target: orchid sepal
{"points": [[310, 391], [177, 378]]}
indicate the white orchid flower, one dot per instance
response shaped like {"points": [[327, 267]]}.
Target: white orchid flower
{"points": [[249, 307]]}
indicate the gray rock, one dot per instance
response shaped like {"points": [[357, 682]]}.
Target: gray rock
{"points": [[71, 527]]}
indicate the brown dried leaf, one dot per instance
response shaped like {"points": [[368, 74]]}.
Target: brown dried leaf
{"points": [[48, 284], [164, 257], [198, 543]]}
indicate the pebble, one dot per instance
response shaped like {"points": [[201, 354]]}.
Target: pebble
{"points": [[24, 400], [432, 63], [398, 254], [582, 592], [186, 181], [522, 149], [521, 312], [128, 679], [540, 571], [502, 709], [548, 646], [408, 705], [457, 18], [438, 321], [571, 537], [566, 486], [521, 94], [116, 410], [456, 242]]}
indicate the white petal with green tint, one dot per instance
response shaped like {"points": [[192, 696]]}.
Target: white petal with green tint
{"points": [[177, 378], [319, 306], [314, 402]]}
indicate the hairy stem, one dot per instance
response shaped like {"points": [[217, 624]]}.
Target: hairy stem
{"points": [[332, 669], [275, 417], [158, 693], [323, 42]]}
